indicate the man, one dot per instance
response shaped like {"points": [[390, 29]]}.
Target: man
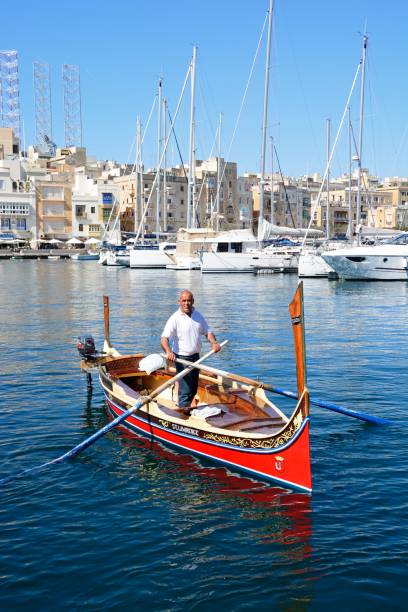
{"points": [[181, 337]]}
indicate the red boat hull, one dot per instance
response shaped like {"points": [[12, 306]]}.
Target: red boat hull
{"points": [[287, 464]]}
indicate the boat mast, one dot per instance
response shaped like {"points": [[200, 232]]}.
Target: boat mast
{"points": [[137, 186], [272, 217], [350, 209], [217, 204], [264, 121], [191, 163], [139, 191], [159, 111], [360, 139], [328, 181], [164, 167]]}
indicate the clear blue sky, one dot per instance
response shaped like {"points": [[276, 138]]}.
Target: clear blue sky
{"points": [[122, 48]]}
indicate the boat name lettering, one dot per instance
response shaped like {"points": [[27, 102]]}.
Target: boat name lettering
{"points": [[193, 432]]}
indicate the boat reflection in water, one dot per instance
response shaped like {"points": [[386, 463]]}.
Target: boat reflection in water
{"points": [[286, 515]]}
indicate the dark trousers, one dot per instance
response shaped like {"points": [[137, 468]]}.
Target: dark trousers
{"points": [[188, 385]]}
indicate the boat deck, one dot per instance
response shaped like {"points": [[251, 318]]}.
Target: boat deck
{"points": [[242, 411]]}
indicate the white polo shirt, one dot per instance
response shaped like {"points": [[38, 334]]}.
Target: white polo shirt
{"points": [[184, 332]]}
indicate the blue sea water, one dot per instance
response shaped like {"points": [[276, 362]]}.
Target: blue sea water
{"points": [[131, 524]]}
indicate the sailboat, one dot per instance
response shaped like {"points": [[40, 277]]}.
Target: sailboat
{"points": [[313, 262], [152, 254], [237, 251]]}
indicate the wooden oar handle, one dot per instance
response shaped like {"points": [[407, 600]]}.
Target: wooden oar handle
{"points": [[106, 316]]}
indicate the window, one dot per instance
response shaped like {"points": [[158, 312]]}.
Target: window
{"points": [[81, 227], [53, 192], [53, 210], [181, 187], [107, 198], [5, 224], [11, 208], [92, 209], [21, 224]]}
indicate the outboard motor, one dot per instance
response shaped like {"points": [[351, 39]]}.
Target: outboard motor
{"points": [[86, 347]]}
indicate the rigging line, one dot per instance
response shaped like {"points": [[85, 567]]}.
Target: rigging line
{"points": [[312, 212], [364, 178], [129, 177], [384, 113], [203, 101], [177, 145], [353, 138], [243, 101], [371, 117], [284, 187], [288, 34], [163, 152], [207, 171]]}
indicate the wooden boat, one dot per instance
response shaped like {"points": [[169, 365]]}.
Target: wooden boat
{"points": [[249, 434]]}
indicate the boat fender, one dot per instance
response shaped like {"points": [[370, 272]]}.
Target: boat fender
{"points": [[151, 363]]}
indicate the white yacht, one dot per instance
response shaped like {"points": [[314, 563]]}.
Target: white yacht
{"points": [[386, 261], [152, 256], [188, 245], [238, 251], [312, 265]]}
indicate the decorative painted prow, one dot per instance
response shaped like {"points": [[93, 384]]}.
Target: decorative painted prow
{"points": [[297, 316]]}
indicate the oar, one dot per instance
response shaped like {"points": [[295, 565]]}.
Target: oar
{"points": [[317, 402], [104, 430]]}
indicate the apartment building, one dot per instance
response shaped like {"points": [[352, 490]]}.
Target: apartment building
{"points": [[54, 207], [86, 220], [290, 204], [372, 200], [165, 208], [217, 187], [17, 201], [394, 213]]}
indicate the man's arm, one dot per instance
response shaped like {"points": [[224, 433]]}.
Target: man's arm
{"points": [[212, 339], [166, 347]]}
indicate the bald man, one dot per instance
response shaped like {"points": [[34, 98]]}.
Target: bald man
{"points": [[181, 337]]}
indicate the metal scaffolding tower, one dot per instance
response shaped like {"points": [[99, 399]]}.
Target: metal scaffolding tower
{"points": [[10, 92], [42, 107], [72, 105]]}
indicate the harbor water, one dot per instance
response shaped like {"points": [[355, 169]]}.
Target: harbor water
{"points": [[131, 524]]}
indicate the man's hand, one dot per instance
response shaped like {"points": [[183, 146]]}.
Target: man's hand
{"points": [[215, 347], [166, 347]]}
